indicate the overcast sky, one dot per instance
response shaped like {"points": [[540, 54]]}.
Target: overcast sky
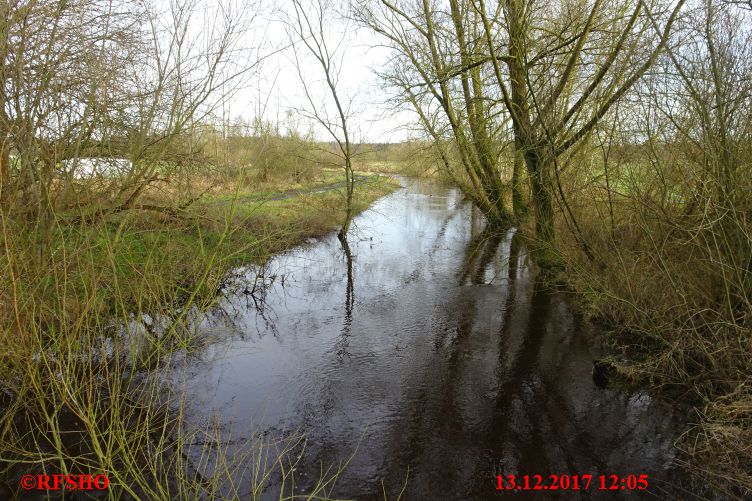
{"points": [[277, 89]]}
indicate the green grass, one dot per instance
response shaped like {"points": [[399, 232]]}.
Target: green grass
{"points": [[77, 373], [141, 261], [273, 224], [412, 168], [223, 230]]}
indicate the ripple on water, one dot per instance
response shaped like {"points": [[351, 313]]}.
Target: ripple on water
{"points": [[449, 358]]}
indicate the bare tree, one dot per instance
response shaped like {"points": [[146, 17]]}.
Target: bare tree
{"points": [[85, 78], [551, 72], [309, 28], [437, 74], [61, 64]]}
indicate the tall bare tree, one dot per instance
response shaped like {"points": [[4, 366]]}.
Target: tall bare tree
{"points": [[310, 29], [551, 71], [438, 75]]}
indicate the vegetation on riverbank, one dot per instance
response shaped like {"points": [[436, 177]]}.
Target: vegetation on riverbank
{"points": [[671, 282], [105, 279], [75, 385], [106, 275], [618, 135]]}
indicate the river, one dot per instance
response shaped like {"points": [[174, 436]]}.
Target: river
{"points": [[436, 357]]}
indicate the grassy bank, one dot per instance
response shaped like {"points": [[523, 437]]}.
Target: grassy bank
{"points": [[412, 168], [89, 323], [226, 227], [249, 225]]}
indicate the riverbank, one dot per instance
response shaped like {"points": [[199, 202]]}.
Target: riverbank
{"points": [[115, 299], [111, 263], [265, 221], [677, 323]]}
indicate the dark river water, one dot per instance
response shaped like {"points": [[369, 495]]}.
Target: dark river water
{"points": [[434, 362]]}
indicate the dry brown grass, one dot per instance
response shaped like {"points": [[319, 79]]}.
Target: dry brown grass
{"points": [[672, 283]]}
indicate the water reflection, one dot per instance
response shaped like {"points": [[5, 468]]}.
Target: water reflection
{"points": [[349, 297], [447, 358], [481, 251]]}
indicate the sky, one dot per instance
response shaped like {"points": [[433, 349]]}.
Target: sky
{"points": [[276, 91]]}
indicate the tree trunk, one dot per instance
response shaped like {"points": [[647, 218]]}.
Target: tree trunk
{"points": [[536, 159], [540, 179], [350, 184], [5, 167], [519, 206]]}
